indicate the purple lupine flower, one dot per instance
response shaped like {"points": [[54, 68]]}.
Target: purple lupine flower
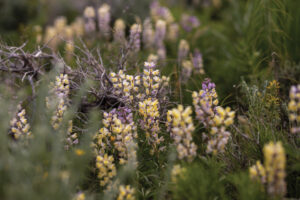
{"points": [[104, 20], [207, 85], [135, 37], [162, 11], [188, 22], [198, 62], [183, 50], [294, 109], [160, 32], [122, 113], [159, 12], [156, 10], [149, 65], [148, 34], [205, 102], [125, 115], [89, 17], [154, 5]]}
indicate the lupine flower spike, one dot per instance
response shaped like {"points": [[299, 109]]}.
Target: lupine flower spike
{"points": [[205, 102], [20, 127], [275, 168], [106, 169], [89, 16], [78, 27], [219, 136], [294, 109], [51, 37], [151, 79], [272, 174], [176, 173], [189, 23], [258, 172], [59, 24], [126, 193], [198, 62], [118, 134], [119, 31], [180, 125], [148, 34], [160, 32], [72, 137], [158, 12], [183, 50], [149, 111], [69, 42], [152, 58], [125, 87], [58, 99], [214, 118], [135, 37], [104, 20]]}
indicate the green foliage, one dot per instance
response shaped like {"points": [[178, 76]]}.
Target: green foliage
{"points": [[203, 180], [246, 188]]}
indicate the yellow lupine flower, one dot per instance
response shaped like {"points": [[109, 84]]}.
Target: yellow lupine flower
{"points": [[272, 174], [181, 126], [294, 109], [125, 193], [19, 125]]}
